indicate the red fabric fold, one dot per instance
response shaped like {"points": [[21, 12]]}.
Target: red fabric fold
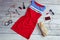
{"points": [[26, 24]]}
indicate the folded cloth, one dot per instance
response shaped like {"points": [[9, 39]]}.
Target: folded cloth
{"points": [[25, 25]]}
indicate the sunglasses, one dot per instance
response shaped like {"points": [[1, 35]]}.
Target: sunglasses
{"points": [[51, 12]]}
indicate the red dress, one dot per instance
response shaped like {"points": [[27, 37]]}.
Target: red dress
{"points": [[25, 25]]}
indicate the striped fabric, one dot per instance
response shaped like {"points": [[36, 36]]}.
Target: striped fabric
{"points": [[37, 7]]}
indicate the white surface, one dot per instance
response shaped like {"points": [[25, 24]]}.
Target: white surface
{"points": [[54, 31]]}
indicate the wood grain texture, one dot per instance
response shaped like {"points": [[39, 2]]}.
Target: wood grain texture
{"points": [[53, 28]]}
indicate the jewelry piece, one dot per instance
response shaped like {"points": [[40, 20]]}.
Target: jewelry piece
{"points": [[8, 22], [10, 11], [17, 11]]}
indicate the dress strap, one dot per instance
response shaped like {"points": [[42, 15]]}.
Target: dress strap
{"points": [[37, 6]]}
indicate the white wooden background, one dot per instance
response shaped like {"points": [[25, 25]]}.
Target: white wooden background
{"points": [[53, 31]]}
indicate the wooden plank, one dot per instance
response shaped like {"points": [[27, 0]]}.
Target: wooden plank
{"points": [[33, 37], [52, 31], [40, 1]]}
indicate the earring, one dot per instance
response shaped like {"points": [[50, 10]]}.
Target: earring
{"points": [[8, 22]]}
